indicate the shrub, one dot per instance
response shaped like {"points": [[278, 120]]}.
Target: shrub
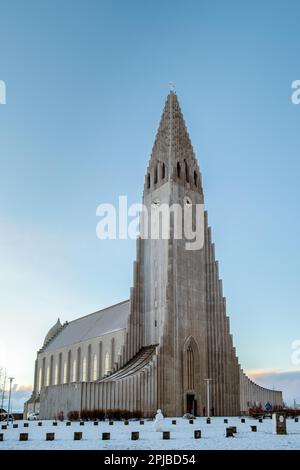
{"points": [[73, 415], [137, 414], [87, 414], [99, 414], [60, 416], [256, 411]]}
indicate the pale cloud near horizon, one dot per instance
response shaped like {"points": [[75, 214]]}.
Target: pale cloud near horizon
{"points": [[286, 380]]}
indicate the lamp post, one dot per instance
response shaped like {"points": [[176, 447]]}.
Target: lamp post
{"points": [[9, 397], [207, 396]]}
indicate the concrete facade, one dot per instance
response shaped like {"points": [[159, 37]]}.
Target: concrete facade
{"points": [[177, 332]]}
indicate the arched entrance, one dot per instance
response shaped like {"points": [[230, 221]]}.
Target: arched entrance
{"points": [[190, 369]]}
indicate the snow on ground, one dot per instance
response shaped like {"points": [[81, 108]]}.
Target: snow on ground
{"points": [[182, 435]]}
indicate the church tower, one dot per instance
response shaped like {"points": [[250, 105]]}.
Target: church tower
{"points": [[177, 303], [174, 277]]}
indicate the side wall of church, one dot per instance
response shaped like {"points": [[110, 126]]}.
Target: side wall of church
{"points": [[78, 362], [254, 395]]}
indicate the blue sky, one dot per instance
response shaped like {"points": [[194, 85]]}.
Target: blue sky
{"points": [[86, 84]]}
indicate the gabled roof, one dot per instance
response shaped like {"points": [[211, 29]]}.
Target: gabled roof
{"points": [[96, 324]]}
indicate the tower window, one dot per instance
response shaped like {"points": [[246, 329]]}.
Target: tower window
{"points": [[163, 171], [148, 181], [195, 179], [155, 175], [178, 170], [187, 176]]}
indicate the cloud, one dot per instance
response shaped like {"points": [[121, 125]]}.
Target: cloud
{"points": [[287, 381], [19, 394]]}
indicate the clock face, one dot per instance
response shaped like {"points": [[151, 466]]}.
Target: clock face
{"points": [[187, 201], [155, 202]]}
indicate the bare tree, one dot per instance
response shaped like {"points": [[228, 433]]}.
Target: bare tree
{"points": [[3, 377]]}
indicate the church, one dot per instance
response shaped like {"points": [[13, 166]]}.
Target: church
{"points": [[169, 346]]}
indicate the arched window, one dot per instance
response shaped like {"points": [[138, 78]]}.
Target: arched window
{"points": [[69, 366], [43, 372], [65, 376], [190, 368], [178, 170], [148, 181], [40, 379], [155, 174], [100, 360], [187, 176], [78, 372], [51, 371], [59, 367], [84, 370], [163, 171], [190, 364], [74, 371], [106, 363], [95, 367], [89, 363], [56, 374], [195, 179], [48, 376], [112, 351]]}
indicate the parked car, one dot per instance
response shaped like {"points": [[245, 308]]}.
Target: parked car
{"points": [[33, 416], [5, 417]]}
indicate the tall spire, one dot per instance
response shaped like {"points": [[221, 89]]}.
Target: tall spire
{"points": [[172, 148]]}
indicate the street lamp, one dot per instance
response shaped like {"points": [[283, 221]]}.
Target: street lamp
{"points": [[9, 396], [207, 395]]}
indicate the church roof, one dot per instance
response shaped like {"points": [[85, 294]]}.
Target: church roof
{"points": [[52, 332], [91, 326], [173, 148]]}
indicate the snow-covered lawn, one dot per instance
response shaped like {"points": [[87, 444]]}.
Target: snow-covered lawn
{"points": [[181, 438]]}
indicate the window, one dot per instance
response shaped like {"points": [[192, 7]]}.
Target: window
{"points": [[59, 367], [51, 371], [148, 181], [56, 374], [195, 179], [95, 367], [187, 176], [78, 371], [40, 379], [178, 170], [89, 363], [65, 376], [48, 376], [84, 370], [112, 351], [106, 363], [74, 371], [163, 171], [155, 175]]}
